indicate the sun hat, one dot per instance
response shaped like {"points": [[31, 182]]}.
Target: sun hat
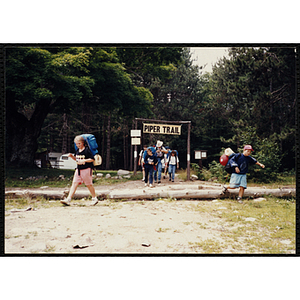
{"points": [[159, 144], [248, 147]]}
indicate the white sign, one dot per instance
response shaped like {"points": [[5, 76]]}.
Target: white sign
{"points": [[135, 133], [135, 141], [197, 154], [200, 154]]}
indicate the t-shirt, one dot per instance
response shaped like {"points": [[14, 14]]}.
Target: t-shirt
{"points": [[85, 154], [150, 159], [173, 160], [242, 162]]}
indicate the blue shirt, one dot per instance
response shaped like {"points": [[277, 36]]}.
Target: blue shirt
{"points": [[242, 162], [150, 159]]}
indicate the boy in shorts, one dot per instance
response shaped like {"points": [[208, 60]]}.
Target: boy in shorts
{"points": [[84, 171], [238, 177]]}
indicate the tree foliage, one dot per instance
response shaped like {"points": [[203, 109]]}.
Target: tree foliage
{"points": [[53, 94], [254, 91]]}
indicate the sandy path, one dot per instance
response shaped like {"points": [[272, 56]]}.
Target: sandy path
{"points": [[111, 227], [120, 227]]}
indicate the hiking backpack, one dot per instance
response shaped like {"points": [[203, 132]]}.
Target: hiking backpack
{"points": [[93, 146], [228, 168], [152, 149]]}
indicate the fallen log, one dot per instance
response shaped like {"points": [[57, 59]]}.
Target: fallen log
{"points": [[156, 193], [196, 194]]}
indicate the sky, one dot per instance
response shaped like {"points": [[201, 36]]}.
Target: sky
{"points": [[207, 56]]}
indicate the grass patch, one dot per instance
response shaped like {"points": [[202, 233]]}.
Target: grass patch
{"points": [[36, 177], [23, 203], [283, 180], [266, 227], [207, 246]]}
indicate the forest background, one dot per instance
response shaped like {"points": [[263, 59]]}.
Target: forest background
{"points": [[55, 93]]}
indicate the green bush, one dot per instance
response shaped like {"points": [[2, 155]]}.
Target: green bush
{"points": [[215, 172]]}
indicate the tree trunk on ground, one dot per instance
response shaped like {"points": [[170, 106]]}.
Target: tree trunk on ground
{"points": [[155, 193]]}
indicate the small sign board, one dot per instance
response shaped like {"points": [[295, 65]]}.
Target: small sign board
{"points": [[135, 133], [135, 141], [200, 154]]}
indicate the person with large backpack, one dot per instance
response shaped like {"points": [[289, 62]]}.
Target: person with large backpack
{"points": [[150, 160], [237, 165], [173, 162], [160, 154], [83, 173]]}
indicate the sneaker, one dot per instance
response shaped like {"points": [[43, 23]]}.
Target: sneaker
{"points": [[159, 181], [224, 190], [151, 185], [146, 184], [66, 202], [239, 200], [172, 180], [143, 179], [94, 201]]}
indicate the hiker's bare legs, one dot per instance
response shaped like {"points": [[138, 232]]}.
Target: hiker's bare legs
{"points": [[73, 189], [241, 192], [92, 190]]}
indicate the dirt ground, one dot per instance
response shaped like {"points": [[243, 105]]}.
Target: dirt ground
{"points": [[115, 227]]}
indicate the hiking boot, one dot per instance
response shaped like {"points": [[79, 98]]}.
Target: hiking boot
{"points": [[94, 201], [239, 200], [66, 202]]}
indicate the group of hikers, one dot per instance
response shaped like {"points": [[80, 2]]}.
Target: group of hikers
{"points": [[154, 160], [157, 160]]}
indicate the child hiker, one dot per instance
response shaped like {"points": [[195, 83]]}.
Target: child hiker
{"points": [[238, 177], [173, 162], [150, 161], [83, 173]]}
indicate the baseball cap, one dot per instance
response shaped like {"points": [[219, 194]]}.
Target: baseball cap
{"points": [[248, 147]]}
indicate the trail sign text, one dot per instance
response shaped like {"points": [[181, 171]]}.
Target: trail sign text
{"points": [[162, 129]]}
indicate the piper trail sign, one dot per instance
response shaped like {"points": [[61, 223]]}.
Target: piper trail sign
{"points": [[162, 129]]}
